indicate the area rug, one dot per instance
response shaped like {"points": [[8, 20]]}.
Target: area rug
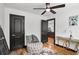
{"points": [[45, 51]]}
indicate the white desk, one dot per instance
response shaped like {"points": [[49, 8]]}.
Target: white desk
{"points": [[67, 41]]}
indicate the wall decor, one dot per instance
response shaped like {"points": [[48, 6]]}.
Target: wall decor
{"points": [[73, 20]]}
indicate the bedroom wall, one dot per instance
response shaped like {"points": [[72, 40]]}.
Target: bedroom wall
{"points": [[62, 20], [1, 14], [32, 23]]}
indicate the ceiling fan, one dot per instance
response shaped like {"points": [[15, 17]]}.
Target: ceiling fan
{"points": [[48, 8]]}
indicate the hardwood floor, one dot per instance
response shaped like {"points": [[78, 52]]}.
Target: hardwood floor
{"points": [[56, 49]]}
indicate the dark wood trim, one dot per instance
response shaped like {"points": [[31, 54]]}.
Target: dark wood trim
{"points": [[50, 19], [54, 26], [9, 28], [17, 15], [65, 48]]}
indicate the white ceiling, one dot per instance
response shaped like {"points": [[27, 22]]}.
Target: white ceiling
{"points": [[29, 7]]}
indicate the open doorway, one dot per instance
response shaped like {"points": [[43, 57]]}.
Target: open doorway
{"points": [[51, 31], [48, 31]]}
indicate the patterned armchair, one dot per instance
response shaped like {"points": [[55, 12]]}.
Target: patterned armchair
{"points": [[34, 47]]}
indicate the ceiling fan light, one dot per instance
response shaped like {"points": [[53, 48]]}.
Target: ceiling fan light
{"points": [[47, 10]]}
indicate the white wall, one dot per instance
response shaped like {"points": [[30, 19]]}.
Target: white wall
{"points": [[62, 20], [1, 15], [32, 23]]}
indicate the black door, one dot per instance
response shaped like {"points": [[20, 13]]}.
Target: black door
{"points": [[16, 31], [44, 31]]}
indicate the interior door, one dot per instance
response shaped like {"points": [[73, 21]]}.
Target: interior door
{"points": [[44, 31], [16, 31]]}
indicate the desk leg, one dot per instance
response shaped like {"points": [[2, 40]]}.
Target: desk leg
{"points": [[76, 47], [66, 43], [58, 40]]}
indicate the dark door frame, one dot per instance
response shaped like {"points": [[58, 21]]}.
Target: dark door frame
{"points": [[10, 26], [54, 26]]}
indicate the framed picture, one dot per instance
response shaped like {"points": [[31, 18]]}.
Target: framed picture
{"points": [[73, 20]]}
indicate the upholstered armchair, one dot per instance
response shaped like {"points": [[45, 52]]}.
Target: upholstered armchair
{"points": [[34, 46]]}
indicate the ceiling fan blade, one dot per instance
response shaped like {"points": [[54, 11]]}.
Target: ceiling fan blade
{"points": [[58, 6], [43, 12], [39, 8], [47, 5], [53, 11]]}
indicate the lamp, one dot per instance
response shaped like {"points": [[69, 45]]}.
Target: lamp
{"points": [[47, 10], [70, 34]]}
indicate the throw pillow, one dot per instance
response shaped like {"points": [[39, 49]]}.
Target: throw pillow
{"points": [[34, 39]]}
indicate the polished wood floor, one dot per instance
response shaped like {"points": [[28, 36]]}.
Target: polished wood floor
{"points": [[56, 49]]}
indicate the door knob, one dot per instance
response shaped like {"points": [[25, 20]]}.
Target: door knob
{"points": [[13, 35]]}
